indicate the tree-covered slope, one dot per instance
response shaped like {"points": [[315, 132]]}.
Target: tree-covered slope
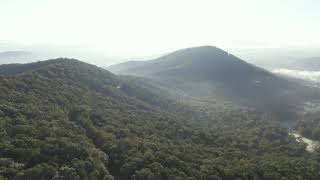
{"points": [[210, 73], [64, 119]]}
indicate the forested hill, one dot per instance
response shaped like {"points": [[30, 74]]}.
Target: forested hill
{"points": [[196, 62], [65, 119], [208, 72]]}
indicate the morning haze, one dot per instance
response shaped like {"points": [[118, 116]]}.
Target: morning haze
{"points": [[146, 28], [159, 90]]}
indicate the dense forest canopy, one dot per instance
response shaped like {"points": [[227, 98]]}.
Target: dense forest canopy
{"points": [[65, 119]]}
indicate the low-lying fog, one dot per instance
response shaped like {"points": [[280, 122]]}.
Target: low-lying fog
{"points": [[313, 76]]}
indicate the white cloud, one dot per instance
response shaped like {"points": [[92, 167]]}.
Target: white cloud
{"points": [[306, 75]]}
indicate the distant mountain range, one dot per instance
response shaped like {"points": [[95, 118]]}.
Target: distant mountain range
{"points": [[306, 64], [34, 54], [7, 57], [10, 54]]}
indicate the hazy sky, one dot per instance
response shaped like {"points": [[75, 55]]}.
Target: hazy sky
{"points": [[147, 27]]}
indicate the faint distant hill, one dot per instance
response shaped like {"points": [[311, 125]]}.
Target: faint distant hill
{"points": [[274, 58], [208, 72], [43, 52], [306, 69], [14, 53], [311, 64], [8, 57]]}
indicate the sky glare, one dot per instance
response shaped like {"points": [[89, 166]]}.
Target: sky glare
{"points": [[146, 27]]}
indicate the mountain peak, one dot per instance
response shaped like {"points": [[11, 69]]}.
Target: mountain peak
{"points": [[200, 50], [202, 47], [191, 62]]}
